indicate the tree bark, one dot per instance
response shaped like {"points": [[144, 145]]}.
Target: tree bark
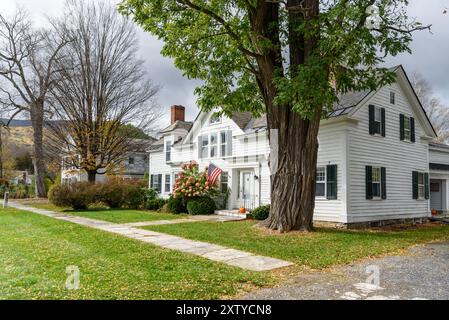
{"points": [[91, 175], [293, 180], [37, 122]]}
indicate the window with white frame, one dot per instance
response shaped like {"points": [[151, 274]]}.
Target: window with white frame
{"points": [[421, 186], [205, 146], [320, 182], [167, 183], [407, 131], [377, 119], [213, 145], [224, 182], [392, 97], [215, 119], [223, 143], [376, 176], [167, 151]]}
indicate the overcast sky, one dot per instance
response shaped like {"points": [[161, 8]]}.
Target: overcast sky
{"points": [[430, 56]]}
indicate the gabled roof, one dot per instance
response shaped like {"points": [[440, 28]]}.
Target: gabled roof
{"points": [[186, 125], [347, 102], [347, 105], [403, 80]]}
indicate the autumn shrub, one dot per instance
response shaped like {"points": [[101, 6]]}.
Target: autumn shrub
{"points": [[77, 195]]}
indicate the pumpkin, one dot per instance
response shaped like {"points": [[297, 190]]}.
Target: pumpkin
{"points": [[242, 210]]}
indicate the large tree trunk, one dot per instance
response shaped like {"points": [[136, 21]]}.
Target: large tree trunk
{"points": [[293, 175], [37, 122], [296, 138], [91, 175]]}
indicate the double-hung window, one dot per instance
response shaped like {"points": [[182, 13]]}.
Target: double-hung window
{"points": [[224, 182], [205, 146], [320, 182], [376, 183], [167, 151], [167, 183], [421, 186], [376, 120], [407, 129], [326, 182], [213, 145], [223, 143]]}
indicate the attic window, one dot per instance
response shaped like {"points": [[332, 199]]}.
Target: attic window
{"points": [[215, 119], [392, 97]]}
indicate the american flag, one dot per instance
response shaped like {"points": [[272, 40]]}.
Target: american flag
{"points": [[213, 173]]}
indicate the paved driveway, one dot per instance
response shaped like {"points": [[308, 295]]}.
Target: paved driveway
{"points": [[422, 273]]}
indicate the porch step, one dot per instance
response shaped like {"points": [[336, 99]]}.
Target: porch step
{"points": [[233, 213]]}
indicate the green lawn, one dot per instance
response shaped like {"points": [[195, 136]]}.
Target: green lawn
{"points": [[35, 251], [113, 215], [323, 248]]}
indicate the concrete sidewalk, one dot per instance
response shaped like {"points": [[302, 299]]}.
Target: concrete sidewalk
{"points": [[214, 252]]}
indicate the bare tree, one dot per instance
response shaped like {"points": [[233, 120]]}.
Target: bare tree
{"points": [[27, 66], [101, 88], [437, 112]]}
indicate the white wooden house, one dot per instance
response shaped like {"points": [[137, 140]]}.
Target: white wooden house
{"points": [[373, 157]]}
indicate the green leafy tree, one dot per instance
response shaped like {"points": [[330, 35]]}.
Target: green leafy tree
{"points": [[287, 59]]}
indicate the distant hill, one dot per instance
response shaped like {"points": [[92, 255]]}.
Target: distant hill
{"points": [[17, 123], [18, 140]]}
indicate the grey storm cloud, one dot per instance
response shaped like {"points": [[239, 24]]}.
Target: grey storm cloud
{"points": [[429, 56]]}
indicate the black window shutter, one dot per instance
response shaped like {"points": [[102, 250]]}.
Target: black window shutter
{"points": [[159, 182], [412, 129], [372, 128], [369, 182], [331, 175], [401, 126], [383, 122], [383, 182], [415, 184], [426, 185], [151, 181]]}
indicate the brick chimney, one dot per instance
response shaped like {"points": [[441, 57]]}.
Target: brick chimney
{"points": [[177, 113]]}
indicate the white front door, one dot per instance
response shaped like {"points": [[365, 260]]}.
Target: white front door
{"points": [[246, 191], [246, 184]]}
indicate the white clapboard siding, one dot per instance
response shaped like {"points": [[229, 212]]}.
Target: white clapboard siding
{"points": [[399, 157], [332, 151], [439, 156]]}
